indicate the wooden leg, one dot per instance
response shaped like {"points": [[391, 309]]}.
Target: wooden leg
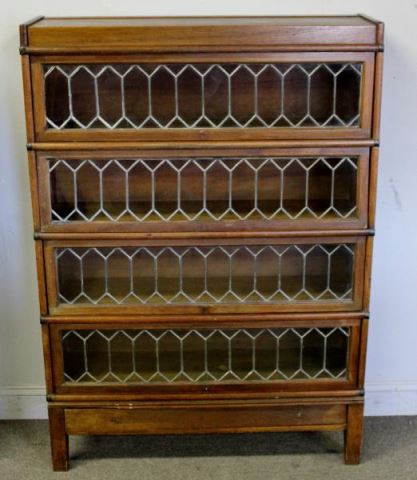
{"points": [[354, 434], [59, 439]]}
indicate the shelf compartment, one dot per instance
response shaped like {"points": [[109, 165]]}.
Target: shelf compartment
{"points": [[210, 358], [282, 92], [135, 192], [269, 274]]}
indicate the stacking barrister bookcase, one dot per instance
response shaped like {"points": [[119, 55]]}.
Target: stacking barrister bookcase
{"points": [[203, 198]]}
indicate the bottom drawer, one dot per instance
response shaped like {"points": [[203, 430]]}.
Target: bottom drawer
{"points": [[205, 418], [277, 356]]}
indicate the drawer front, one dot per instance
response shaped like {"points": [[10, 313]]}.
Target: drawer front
{"points": [[228, 417], [166, 191], [204, 97], [287, 355], [214, 276]]}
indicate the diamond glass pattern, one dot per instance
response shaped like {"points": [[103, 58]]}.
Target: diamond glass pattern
{"points": [[204, 355], [205, 275], [206, 189], [136, 96]]}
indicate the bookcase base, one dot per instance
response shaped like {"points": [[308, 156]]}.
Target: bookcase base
{"points": [[197, 417]]}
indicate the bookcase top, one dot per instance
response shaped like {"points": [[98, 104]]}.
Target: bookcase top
{"points": [[141, 34]]}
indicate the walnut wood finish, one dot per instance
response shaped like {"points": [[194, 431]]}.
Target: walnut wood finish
{"points": [[299, 405], [154, 34], [363, 131], [347, 384], [58, 308], [209, 418], [201, 146], [357, 221], [354, 434], [59, 439]]}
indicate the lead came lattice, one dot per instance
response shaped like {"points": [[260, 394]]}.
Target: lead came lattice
{"points": [[212, 189], [205, 275], [316, 95], [204, 355]]}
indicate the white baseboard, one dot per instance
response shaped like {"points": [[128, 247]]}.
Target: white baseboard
{"points": [[24, 403], [383, 398]]}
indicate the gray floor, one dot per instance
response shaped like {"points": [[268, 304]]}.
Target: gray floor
{"points": [[390, 452]]}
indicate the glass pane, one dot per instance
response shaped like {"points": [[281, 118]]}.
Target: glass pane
{"points": [[140, 96], [205, 355], [203, 189], [205, 275]]}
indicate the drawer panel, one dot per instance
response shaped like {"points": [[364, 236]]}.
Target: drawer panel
{"points": [[166, 191], [224, 96], [284, 355], [217, 276], [229, 417]]}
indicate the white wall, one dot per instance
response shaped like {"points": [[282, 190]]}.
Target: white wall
{"points": [[392, 360]]}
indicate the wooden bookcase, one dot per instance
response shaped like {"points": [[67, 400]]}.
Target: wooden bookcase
{"points": [[203, 200]]}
